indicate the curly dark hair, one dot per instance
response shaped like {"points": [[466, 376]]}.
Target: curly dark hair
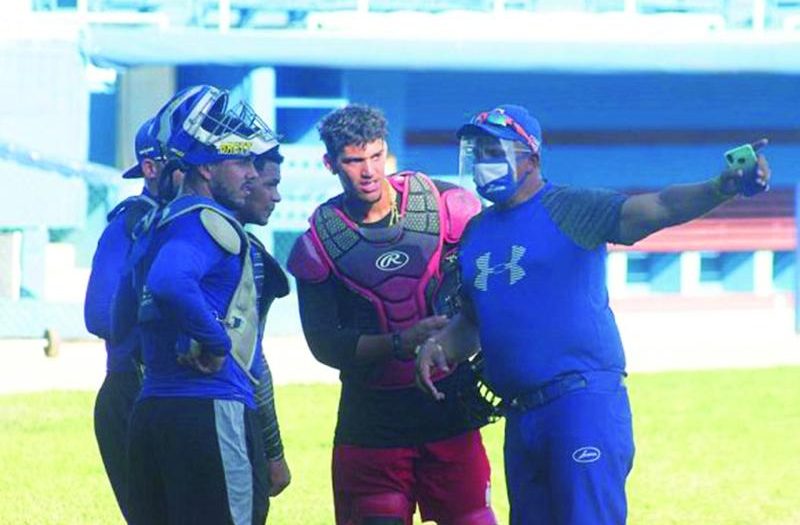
{"points": [[352, 125]]}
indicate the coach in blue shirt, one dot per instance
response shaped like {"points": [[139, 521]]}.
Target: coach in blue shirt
{"points": [[535, 302]]}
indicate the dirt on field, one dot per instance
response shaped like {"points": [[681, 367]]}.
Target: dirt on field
{"points": [[656, 339]]}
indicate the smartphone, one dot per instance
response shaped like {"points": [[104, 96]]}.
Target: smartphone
{"points": [[741, 158], [744, 158]]}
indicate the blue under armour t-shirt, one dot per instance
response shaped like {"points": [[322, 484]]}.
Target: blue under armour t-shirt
{"points": [[535, 275]]}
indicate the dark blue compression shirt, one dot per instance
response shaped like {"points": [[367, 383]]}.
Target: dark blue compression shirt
{"points": [[107, 266], [264, 391]]}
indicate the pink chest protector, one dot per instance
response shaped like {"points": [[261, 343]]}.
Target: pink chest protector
{"points": [[396, 268]]}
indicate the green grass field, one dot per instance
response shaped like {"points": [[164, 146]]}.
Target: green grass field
{"points": [[719, 447]]}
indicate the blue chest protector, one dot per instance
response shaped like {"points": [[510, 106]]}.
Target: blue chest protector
{"points": [[134, 209], [240, 320]]}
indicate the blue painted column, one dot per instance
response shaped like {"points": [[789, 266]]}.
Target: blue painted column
{"points": [[259, 88], [737, 271], [665, 272], [797, 259], [388, 91]]}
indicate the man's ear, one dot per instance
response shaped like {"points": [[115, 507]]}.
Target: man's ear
{"points": [[178, 176], [529, 163], [533, 160], [149, 169], [328, 162], [205, 171]]}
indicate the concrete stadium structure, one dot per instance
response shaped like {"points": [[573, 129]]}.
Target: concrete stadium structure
{"points": [[631, 95]]}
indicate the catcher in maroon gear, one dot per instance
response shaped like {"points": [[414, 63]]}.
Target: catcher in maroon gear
{"points": [[374, 268]]}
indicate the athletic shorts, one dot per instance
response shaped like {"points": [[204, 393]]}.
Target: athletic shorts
{"points": [[447, 478]]}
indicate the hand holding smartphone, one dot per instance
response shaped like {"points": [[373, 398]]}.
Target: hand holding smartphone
{"points": [[744, 158]]}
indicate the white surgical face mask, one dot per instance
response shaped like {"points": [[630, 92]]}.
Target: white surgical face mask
{"points": [[492, 164]]}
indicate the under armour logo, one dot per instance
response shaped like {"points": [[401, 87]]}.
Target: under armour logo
{"points": [[515, 271]]}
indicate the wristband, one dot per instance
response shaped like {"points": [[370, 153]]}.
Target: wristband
{"points": [[716, 187], [397, 348]]}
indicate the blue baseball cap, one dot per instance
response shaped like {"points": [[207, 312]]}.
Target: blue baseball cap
{"points": [[146, 146], [507, 121]]}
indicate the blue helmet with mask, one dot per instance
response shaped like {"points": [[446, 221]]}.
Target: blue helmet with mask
{"points": [[490, 145], [199, 126]]}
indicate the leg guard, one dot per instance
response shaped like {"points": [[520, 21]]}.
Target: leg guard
{"points": [[483, 516], [382, 521], [389, 508]]}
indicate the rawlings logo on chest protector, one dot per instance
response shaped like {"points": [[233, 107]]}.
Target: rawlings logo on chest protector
{"points": [[401, 270], [391, 267], [391, 261]]}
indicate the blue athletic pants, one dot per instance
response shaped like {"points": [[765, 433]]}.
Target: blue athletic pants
{"points": [[567, 459]]}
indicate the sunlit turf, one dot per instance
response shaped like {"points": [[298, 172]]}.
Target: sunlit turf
{"points": [[713, 447]]}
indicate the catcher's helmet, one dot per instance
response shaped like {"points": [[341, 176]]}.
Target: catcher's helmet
{"points": [[197, 127]]}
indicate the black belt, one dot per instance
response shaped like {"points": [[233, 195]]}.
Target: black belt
{"points": [[564, 385], [123, 374]]}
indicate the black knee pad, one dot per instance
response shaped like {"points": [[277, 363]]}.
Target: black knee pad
{"points": [[388, 508], [381, 521]]}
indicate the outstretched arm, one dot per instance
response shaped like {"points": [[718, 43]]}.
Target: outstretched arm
{"points": [[648, 213]]}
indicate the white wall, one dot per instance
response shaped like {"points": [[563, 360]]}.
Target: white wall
{"points": [[44, 98]]}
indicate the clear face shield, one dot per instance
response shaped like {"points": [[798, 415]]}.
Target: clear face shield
{"points": [[491, 163]]}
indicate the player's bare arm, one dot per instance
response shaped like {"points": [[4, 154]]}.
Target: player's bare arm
{"points": [[648, 213], [374, 347]]}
